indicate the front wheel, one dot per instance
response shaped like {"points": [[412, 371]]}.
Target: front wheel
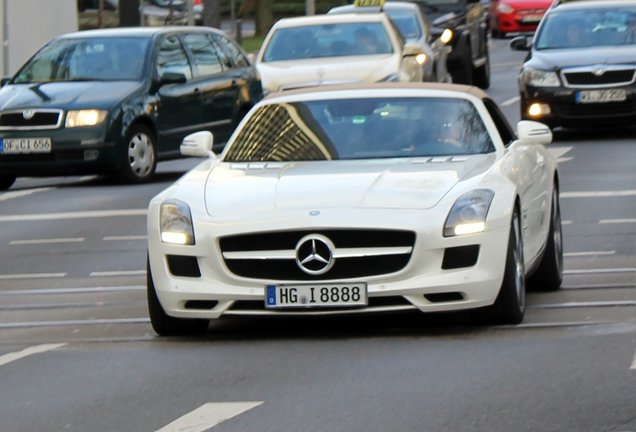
{"points": [[139, 156], [162, 323], [510, 305], [6, 181], [481, 74]]}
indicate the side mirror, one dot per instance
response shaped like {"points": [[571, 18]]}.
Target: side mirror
{"points": [[198, 144], [520, 43], [534, 132], [4, 81], [172, 78], [412, 50]]}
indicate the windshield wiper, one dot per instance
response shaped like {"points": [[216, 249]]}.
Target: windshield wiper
{"points": [[36, 89]]}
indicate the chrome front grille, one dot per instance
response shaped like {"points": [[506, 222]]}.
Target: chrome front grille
{"points": [[599, 76], [356, 254], [31, 119]]}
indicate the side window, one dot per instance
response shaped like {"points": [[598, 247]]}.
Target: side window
{"points": [[205, 55], [506, 132], [172, 58], [233, 51]]}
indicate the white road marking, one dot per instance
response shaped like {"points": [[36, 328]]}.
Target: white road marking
{"points": [[8, 358], [510, 101], [633, 366], [560, 151], [617, 221], [116, 238], [45, 241], [566, 222], [73, 290], [598, 194], [33, 276], [559, 324], [590, 253], [568, 305], [606, 270], [208, 416], [33, 324], [118, 273], [17, 194], [73, 215]]}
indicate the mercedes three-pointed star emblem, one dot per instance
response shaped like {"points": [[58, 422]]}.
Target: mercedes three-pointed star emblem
{"points": [[314, 254]]}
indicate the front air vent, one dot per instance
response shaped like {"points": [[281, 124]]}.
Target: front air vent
{"points": [[184, 266], [460, 257]]}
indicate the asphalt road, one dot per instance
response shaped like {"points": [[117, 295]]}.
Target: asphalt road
{"points": [[77, 352]]}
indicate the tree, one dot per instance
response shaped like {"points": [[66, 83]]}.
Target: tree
{"points": [[212, 13], [264, 16]]}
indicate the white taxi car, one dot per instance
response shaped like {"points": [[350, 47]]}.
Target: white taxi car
{"points": [[359, 199], [336, 49]]}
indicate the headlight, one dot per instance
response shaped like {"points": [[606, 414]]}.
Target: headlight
{"points": [[447, 36], [90, 117], [176, 223], [468, 214], [390, 78], [505, 9], [539, 78]]}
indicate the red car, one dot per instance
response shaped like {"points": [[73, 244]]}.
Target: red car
{"points": [[512, 16]]}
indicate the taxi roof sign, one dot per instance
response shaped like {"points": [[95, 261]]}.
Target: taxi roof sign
{"points": [[369, 3]]}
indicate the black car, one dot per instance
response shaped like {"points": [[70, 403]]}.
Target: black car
{"points": [[116, 101], [468, 62], [581, 66]]}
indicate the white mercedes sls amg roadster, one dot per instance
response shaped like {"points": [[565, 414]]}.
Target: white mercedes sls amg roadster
{"points": [[359, 199]]}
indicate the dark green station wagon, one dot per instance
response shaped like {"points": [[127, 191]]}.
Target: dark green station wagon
{"points": [[116, 101]]}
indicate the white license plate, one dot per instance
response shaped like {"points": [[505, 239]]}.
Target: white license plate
{"points": [[25, 145], [315, 295], [531, 18], [600, 96]]}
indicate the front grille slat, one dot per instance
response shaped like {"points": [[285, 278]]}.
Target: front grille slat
{"points": [[31, 119], [344, 267], [608, 78]]}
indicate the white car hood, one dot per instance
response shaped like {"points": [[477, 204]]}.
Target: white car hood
{"points": [[285, 75], [238, 189]]}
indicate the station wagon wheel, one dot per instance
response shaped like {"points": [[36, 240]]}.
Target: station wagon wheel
{"points": [[510, 305], [481, 75], [162, 323], [6, 181], [140, 155], [549, 274]]}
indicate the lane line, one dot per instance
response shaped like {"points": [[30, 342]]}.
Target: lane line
{"points": [[510, 101], [34, 324], [601, 271], [559, 324], [209, 415], [118, 273], [569, 305], [17, 194], [590, 253], [46, 241], [567, 222], [633, 366], [134, 237], [33, 276], [11, 357], [74, 215], [598, 286], [598, 194], [616, 221], [73, 290]]}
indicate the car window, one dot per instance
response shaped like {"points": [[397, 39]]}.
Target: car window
{"points": [[204, 54], [172, 58], [361, 129], [328, 40], [587, 28], [236, 56], [506, 132], [407, 23], [87, 59]]}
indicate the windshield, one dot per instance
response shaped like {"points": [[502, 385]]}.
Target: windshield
{"points": [[407, 23], [90, 59], [361, 129], [329, 40], [588, 28]]}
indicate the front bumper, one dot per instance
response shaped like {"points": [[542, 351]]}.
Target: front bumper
{"points": [[73, 151], [421, 285], [566, 111]]}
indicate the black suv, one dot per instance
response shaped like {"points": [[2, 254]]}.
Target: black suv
{"points": [[468, 62]]}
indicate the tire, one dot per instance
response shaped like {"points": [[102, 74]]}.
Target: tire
{"points": [[6, 181], [481, 75], [463, 73], [139, 155], [510, 305], [165, 325], [549, 274]]}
